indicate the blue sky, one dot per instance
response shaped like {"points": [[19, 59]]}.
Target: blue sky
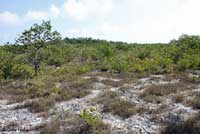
{"points": [[118, 20]]}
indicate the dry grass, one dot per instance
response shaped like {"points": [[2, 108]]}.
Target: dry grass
{"points": [[159, 90], [152, 99], [48, 89], [45, 86], [190, 126], [194, 102], [116, 106], [183, 76], [155, 93], [74, 125], [40, 105], [178, 98]]}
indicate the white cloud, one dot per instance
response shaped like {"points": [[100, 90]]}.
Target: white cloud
{"points": [[55, 11], [75, 9], [9, 18], [87, 9], [138, 20], [126, 20], [36, 15]]}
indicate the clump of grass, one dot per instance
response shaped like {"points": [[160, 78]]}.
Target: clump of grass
{"points": [[190, 126], [73, 69], [195, 101], [41, 104], [51, 128], [67, 94], [112, 83], [120, 107], [178, 98], [159, 90], [116, 106], [152, 98], [74, 125], [155, 93], [162, 90], [53, 95], [44, 91]]}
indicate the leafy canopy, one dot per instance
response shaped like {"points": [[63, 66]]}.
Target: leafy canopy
{"points": [[38, 35]]}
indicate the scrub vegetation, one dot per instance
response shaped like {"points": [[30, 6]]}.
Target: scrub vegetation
{"points": [[46, 69]]}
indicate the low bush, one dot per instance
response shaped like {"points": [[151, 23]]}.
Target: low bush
{"points": [[164, 89], [178, 98], [89, 117], [74, 125], [116, 64], [22, 71], [116, 106], [41, 105], [152, 99], [194, 102], [190, 126], [73, 69]]}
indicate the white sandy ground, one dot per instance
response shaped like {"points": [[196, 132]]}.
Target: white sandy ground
{"points": [[24, 122]]}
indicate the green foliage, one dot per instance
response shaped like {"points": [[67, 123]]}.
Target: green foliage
{"points": [[78, 56], [12, 68], [89, 117], [21, 71], [35, 39], [189, 61], [105, 51], [116, 106], [6, 70], [40, 105], [116, 64], [73, 69], [187, 41], [38, 35]]}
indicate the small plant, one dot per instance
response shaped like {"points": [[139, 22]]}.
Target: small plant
{"points": [[6, 70], [89, 117]]}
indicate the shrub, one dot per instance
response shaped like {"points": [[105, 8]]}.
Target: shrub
{"points": [[72, 69], [41, 105], [89, 117], [152, 98], [189, 61], [116, 64], [194, 102], [116, 106], [6, 70], [11, 70], [52, 61], [72, 124], [190, 126], [178, 98], [105, 51], [22, 71], [164, 89], [147, 65]]}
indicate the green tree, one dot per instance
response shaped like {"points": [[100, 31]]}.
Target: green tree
{"points": [[187, 41], [35, 39]]}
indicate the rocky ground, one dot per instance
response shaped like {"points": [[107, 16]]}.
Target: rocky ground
{"points": [[153, 117]]}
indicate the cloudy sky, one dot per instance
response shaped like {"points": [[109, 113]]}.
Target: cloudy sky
{"points": [[118, 20]]}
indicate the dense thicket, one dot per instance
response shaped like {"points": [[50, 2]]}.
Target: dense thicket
{"points": [[89, 54]]}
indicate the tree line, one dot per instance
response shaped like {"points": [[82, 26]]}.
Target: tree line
{"points": [[40, 47]]}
